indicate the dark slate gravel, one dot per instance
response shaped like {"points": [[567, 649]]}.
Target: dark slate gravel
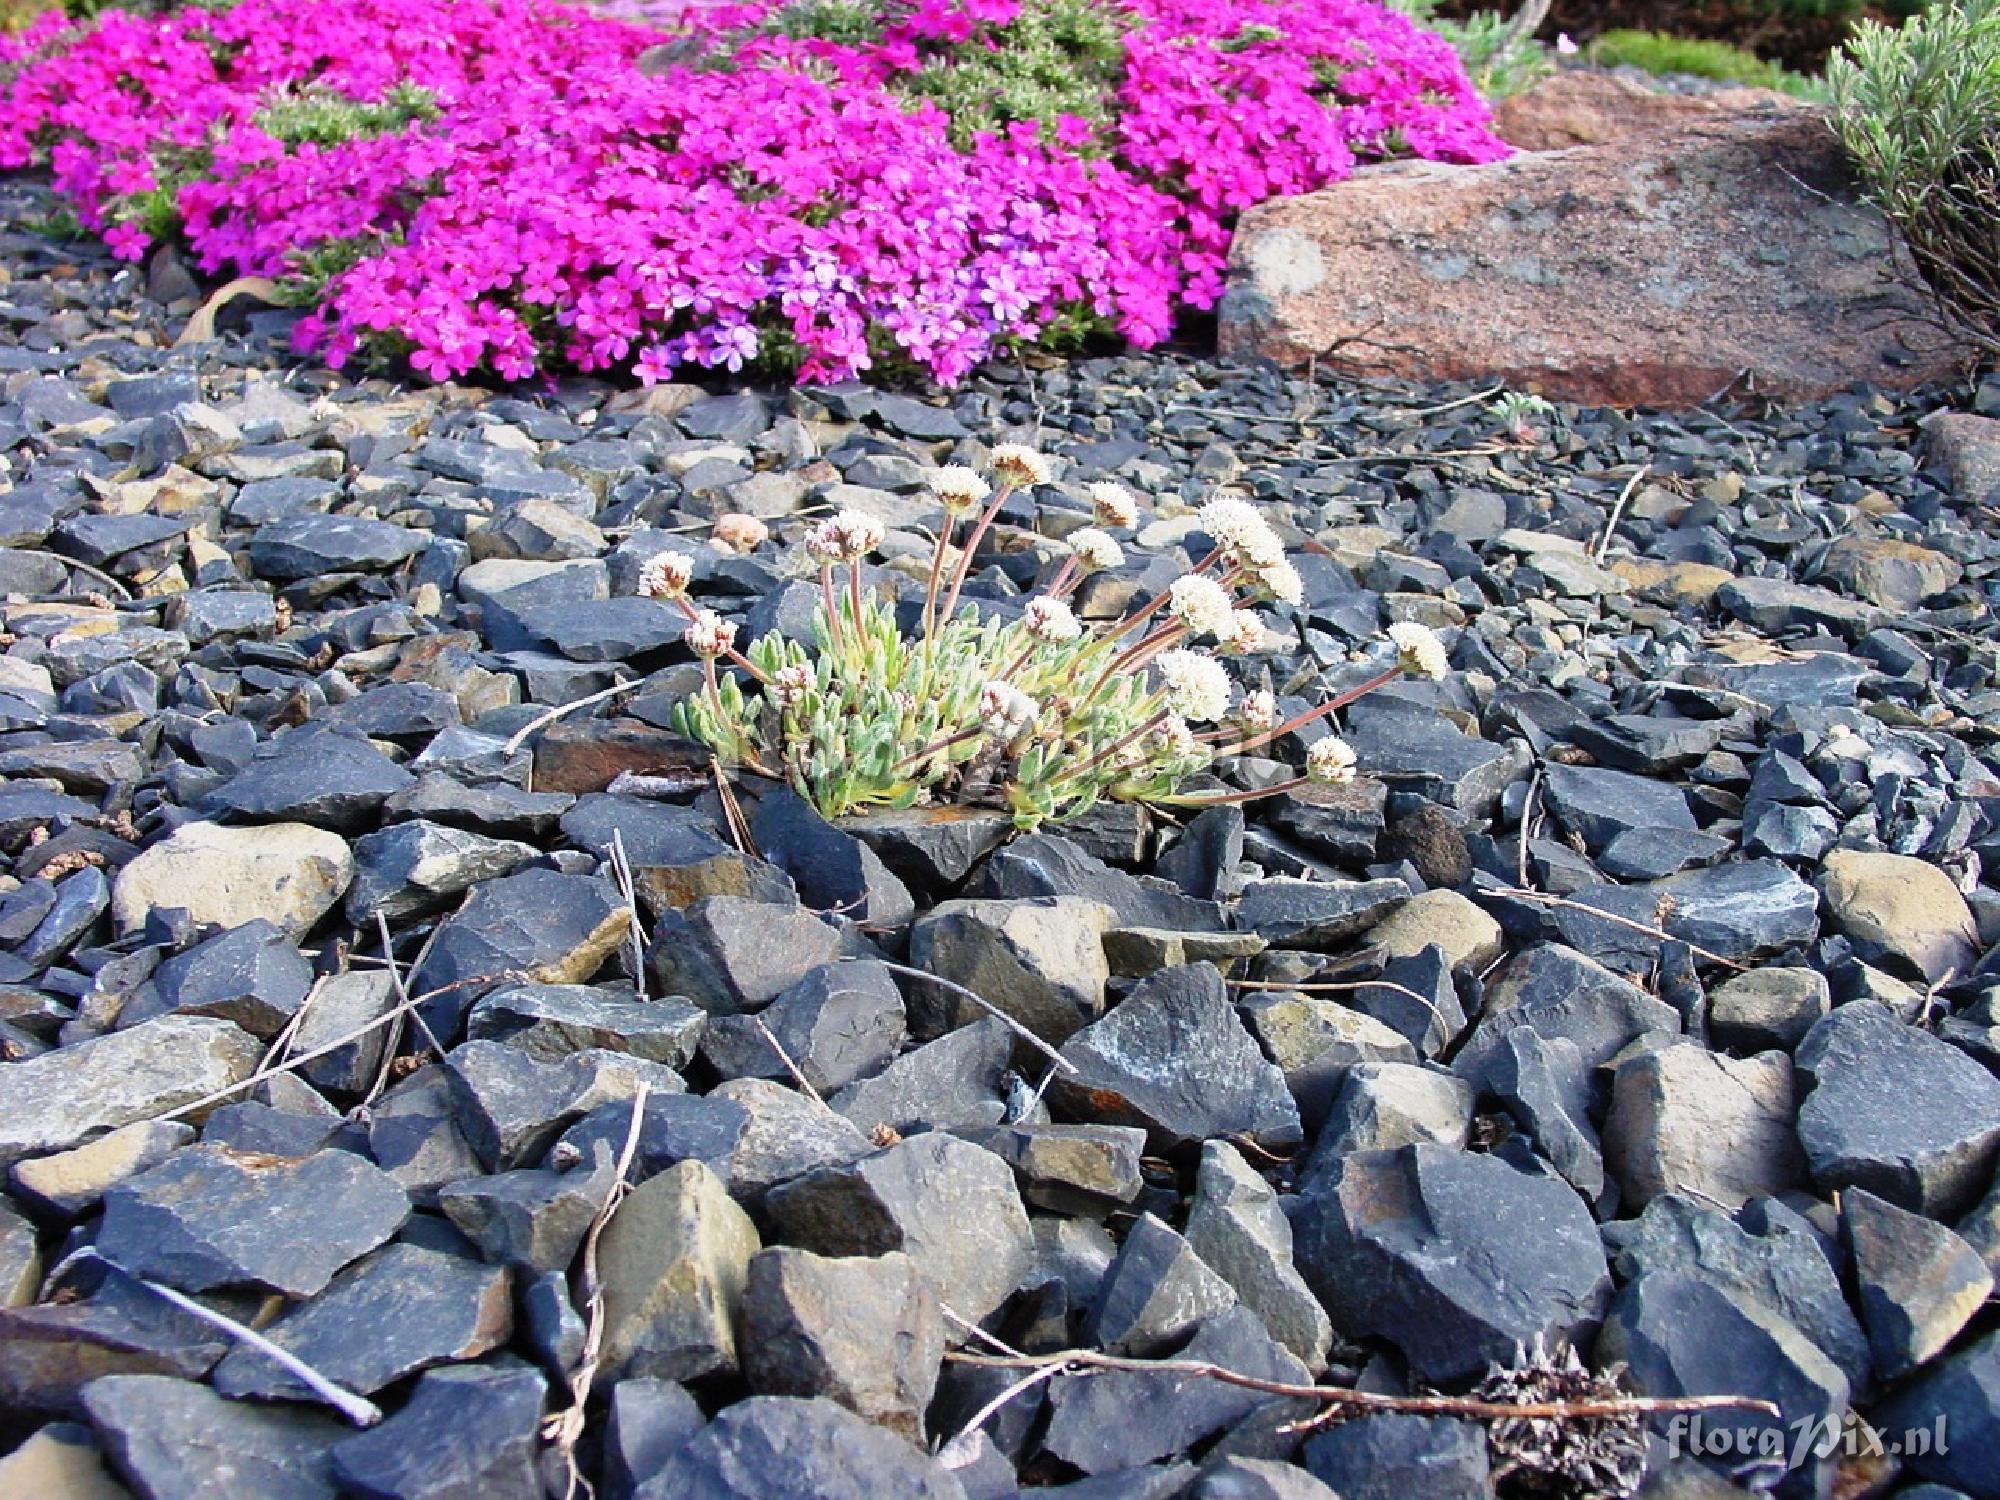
{"points": [[1341, 1098]]}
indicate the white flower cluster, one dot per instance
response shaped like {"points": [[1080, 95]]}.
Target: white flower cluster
{"points": [[666, 575], [1113, 504], [1419, 651], [846, 538], [1005, 710], [1202, 605], [709, 635], [1197, 688], [1051, 621], [1095, 551], [959, 489], [1331, 759], [1021, 466]]}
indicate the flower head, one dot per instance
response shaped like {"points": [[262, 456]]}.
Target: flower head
{"points": [[1257, 710], [1021, 466], [1419, 651], [709, 635], [1173, 740], [1051, 621], [859, 534], [1095, 551], [1201, 604], [1281, 581], [1331, 760], [666, 575], [1113, 504], [1005, 710], [959, 489], [1196, 686], [1245, 633], [824, 544]]}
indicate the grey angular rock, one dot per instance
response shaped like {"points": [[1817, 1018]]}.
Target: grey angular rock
{"points": [[1388, 1455], [1237, 1478], [842, 1022], [728, 954], [1314, 914], [1314, 1041], [1044, 864], [1767, 1008], [174, 1437], [650, 1420], [252, 975], [1896, 1111], [466, 1432], [1766, 1256], [782, 1445], [62, 1098], [956, 1080], [952, 1207], [1680, 1335], [1455, 1259], [531, 1218], [1597, 805], [672, 1264], [1239, 1229], [398, 1311], [414, 1137], [1545, 1087], [414, 867], [1157, 1292], [1557, 992], [309, 545], [344, 1005], [1039, 960], [511, 1104], [70, 1182], [1958, 1400], [1418, 749], [1919, 1283], [552, 1021], [1342, 823], [326, 778], [1174, 1058], [1091, 1422], [1778, 605], [931, 849], [863, 1331], [209, 1217], [1086, 1170], [539, 925], [832, 868], [1381, 1106], [1687, 1120]]}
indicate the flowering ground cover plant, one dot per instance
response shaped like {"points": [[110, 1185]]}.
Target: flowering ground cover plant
{"points": [[1039, 713], [506, 185]]}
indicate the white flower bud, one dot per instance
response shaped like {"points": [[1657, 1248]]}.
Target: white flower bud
{"points": [[709, 635], [1282, 582], [1096, 552], [790, 685], [959, 489]]}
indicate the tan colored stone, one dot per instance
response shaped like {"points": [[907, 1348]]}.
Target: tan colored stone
{"points": [[290, 873], [1656, 270], [1587, 108], [1896, 905], [673, 1262], [72, 1181], [56, 1465], [740, 533], [1469, 937], [1684, 1119], [1888, 572], [1967, 449], [1672, 582]]}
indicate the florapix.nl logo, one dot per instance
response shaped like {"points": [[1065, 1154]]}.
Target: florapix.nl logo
{"points": [[1792, 1445]]}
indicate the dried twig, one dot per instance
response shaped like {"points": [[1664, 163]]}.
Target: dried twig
{"points": [[565, 1427], [401, 1008], [786, 1058], [1527, 822], [83, 567], [992, 1010], [1616, 920], [621, 870], [1348, 987], [542, 721], [1618, 513], [733, 820], [357, 1409], [1084, 1361]]}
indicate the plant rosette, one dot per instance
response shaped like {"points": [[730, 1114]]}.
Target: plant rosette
{"points": [[1034, 712]]}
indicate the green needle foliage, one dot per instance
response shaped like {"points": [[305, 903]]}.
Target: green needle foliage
{"points": [[1917, 110]]}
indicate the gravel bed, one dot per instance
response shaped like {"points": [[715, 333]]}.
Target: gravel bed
{"points": [[1634, 1010]]}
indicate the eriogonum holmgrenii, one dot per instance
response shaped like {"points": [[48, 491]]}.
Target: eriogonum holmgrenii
{"points": [[1032, 709]]}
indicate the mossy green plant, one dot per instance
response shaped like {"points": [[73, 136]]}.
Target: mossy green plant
{"points": [[324, 118], [1663, 55]]}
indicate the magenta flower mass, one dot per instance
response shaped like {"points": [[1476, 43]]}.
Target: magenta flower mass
{"points": [[506, 186]]}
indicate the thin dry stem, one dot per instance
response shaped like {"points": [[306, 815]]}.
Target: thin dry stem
{"points": [[785, 1057], [542, 721], [1620, 921], [991, 1009], [1081, 1361]]}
